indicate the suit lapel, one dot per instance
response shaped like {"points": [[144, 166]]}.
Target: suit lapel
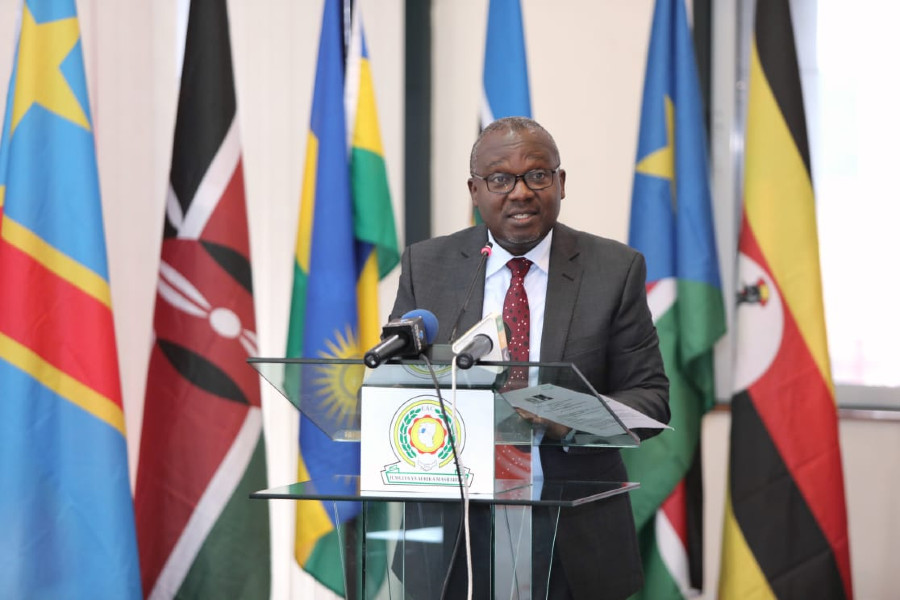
{"points": [[562, 292], [462, 270]]}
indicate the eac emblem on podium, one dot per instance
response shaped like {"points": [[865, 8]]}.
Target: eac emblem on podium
{"points": [[405, 442]]}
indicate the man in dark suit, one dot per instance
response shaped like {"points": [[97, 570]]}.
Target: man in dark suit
{"points": [[588, 306]]}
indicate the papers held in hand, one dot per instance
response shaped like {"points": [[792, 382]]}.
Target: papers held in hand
{"points": [[579, 411]]}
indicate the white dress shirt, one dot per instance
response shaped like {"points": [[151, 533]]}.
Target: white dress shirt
{"points": [[496, 282]]}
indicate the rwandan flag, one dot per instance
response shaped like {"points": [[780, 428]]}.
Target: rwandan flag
{"points": [[346, 242], [785, 531], [65, 506], [505, 91], [672, 225]]}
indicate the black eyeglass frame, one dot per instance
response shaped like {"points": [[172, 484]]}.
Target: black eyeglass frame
{"points": [[516, 178]]}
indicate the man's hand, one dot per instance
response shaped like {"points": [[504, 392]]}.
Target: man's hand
{"points": [[552, 429]]}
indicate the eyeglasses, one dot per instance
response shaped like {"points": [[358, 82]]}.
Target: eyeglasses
{"points": [[503, 183]]}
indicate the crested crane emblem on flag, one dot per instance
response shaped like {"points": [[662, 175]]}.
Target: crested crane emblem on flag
{"points": [[760, 313], [754, 292]]}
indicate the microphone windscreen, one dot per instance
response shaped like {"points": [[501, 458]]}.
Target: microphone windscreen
{"points": [[429, 322]]}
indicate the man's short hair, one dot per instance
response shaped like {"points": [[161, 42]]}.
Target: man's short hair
{"points": [[514, 124]]}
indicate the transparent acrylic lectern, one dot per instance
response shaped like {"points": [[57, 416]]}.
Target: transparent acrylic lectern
{"points": [[397, 525]]}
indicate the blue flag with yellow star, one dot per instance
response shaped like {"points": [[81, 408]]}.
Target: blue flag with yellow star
{"points": [[672, 225], [65, 508]]}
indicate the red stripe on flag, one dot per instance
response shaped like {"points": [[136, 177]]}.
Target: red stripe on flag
{"points": [[69, 329], [227, 224], [198, 429], [798, 409], [675, 509]]}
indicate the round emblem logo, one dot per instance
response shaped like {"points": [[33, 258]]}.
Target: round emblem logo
{"points": [[419, 435]]}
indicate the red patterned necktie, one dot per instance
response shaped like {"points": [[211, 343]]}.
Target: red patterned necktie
{"points": [[517, 317], [512, 462]]}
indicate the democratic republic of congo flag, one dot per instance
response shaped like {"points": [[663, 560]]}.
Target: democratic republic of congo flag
{"points": [[66, 513], [785, 530], [346, 241], [202, 448], [672, 225]]}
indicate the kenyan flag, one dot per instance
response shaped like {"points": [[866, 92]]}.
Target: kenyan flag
{"points": [[202, 448]]}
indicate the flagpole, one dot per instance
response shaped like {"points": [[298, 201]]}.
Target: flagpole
{"points": [[347, 8]]}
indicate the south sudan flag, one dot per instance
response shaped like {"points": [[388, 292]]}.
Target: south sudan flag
{"points": [[785, 532]]}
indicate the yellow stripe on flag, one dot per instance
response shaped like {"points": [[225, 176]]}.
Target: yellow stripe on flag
{"points": [[62, 384], [307, 203], [60, 264], [367, 303], [365, 132], [312, 521], [739, 574], [781, 211]]}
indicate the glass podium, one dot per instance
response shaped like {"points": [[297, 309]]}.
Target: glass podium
{"points": [[402, 538]]}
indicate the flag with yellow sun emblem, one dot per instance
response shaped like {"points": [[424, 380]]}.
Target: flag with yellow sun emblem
{"points": [[346, 242], [65, 511]]}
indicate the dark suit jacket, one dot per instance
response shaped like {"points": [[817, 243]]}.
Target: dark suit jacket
{"points": [[596, 317]]}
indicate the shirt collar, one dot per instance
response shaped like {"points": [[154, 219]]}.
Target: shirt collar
{"points": [[539, 255]]}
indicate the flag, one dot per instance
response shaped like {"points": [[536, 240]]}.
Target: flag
{"points": [[505, 91], [672, 225], [202, 448], [505, 81], [65, 510], [785, 530], [346, 242]]}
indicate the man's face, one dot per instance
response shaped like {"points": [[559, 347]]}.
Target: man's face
{"points": [[522, 217]]}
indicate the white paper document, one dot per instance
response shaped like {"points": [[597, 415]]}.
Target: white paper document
{"points": [[579, 411]]}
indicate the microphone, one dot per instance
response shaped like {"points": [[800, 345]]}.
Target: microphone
{"points": [[486, 340], [480, 345], [405, 337], [485, 253]]}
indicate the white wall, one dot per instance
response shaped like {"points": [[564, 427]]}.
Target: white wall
{"points": [[871, 458], [586, 69], [586, 62]]}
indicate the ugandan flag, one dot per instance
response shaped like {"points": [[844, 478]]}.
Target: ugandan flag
{"points": [[346, 242], [202, 448], [785, 531]]}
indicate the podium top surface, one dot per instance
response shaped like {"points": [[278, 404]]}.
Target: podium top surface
{"points": [[561, 494], [558, 397]]}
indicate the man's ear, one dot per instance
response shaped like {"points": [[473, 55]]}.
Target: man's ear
{"points": [[562, 183], [472, 187]]}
